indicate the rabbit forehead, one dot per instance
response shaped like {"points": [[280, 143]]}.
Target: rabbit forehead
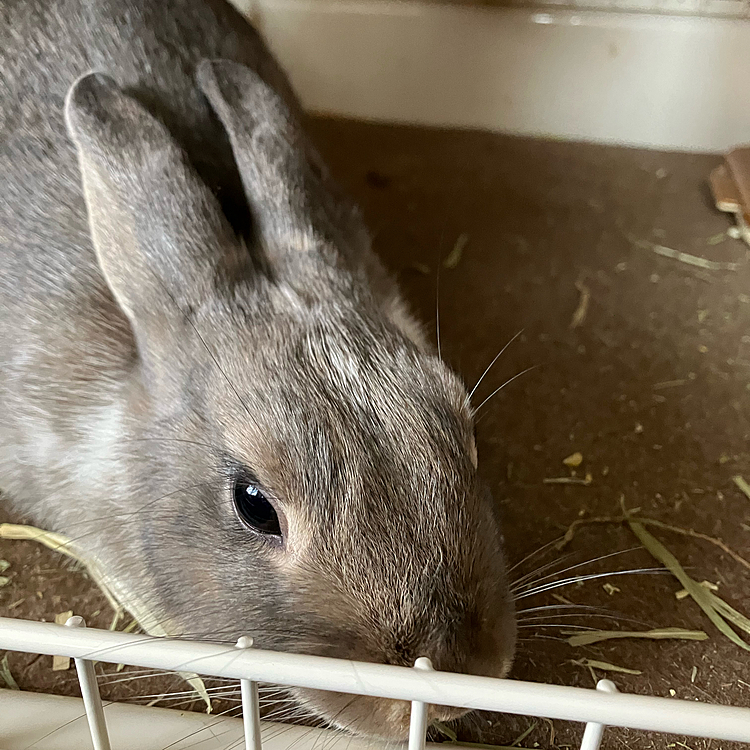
{"points": [[321, 394]]}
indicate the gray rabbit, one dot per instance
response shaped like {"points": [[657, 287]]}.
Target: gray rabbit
{"points": [[207, 379]]}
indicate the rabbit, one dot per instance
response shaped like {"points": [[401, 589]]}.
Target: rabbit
{"points": [[207, 378]]}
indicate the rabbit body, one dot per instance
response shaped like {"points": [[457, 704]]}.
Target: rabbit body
{"points": [[207, 379]]}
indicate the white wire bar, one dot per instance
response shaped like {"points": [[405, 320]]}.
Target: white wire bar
{"points": [[419, 710], [250, 704], [92, 701], [399, 683], [592, 735]]}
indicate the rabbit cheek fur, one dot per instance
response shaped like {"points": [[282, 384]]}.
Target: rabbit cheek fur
{"points": [[153, 348]]}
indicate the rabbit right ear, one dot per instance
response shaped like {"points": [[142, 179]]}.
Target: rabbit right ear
{"points": [[292, 208], [159, 234]]}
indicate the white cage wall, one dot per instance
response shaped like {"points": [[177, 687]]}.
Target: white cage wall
{"points": [[570, 70]]}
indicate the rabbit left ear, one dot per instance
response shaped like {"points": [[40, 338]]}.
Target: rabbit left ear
{"points": [[157, 230]]}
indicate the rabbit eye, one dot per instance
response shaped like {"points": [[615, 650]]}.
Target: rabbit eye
{"points": [[254, 509]]}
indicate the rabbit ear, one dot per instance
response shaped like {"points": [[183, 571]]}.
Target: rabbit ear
{"points": [[291, 209], [157, 229]]}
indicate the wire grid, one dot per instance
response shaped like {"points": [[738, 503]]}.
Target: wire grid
{"points": [[421, 685]]}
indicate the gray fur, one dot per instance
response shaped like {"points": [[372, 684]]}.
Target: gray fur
{"points": [[184, 291]]}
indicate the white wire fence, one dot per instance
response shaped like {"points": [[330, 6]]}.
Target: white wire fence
{"points": [[420, 685]]}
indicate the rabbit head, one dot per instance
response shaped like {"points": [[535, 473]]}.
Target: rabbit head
{"points": [[304, 468]]}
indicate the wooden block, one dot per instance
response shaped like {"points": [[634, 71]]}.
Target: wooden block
{"points": [[725, 192], [738, 161], [743, 222]]}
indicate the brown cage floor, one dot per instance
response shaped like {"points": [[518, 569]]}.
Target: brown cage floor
{"points": [[651, 387]]}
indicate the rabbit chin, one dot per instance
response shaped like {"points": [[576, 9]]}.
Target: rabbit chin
{"points": [[378, 718]]}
